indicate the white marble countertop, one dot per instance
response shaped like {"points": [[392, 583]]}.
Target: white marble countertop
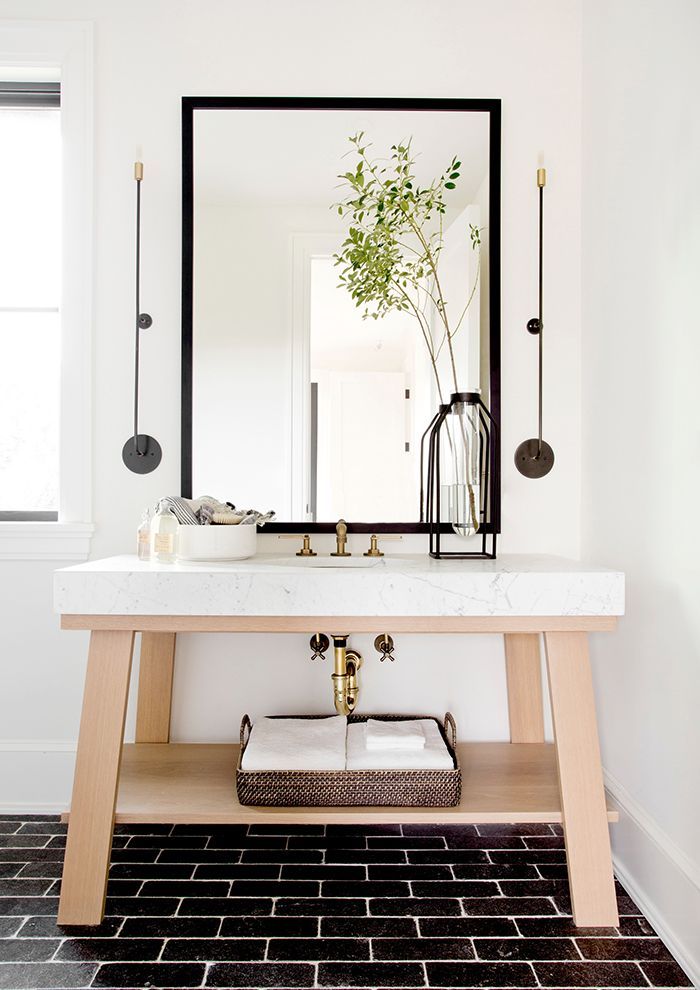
{"points": [[396, 585]]}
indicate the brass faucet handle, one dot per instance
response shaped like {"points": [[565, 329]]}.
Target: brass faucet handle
{"points": [[374, 550], [306, 550]]}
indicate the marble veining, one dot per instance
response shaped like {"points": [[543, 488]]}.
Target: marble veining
{"points": [[407, 584]]}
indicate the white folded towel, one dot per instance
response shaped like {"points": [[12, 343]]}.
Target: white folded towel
{"points": [[296, 744], [434, 756], [406, 735]]}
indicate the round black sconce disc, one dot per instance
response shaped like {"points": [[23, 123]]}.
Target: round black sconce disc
{"points": [[146, 459], [532, 460]]}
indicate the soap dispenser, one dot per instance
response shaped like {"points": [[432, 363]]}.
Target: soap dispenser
{"points": [[164, 533]]}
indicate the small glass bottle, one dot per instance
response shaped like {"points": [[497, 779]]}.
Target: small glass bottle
{"points": [[143, 537], [164, 535]]}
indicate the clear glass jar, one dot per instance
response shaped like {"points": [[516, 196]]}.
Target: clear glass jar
{"points": [[460, 465], [164, 529]]}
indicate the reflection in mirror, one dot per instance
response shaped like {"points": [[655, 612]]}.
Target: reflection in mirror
{"points": [[298, 403]]}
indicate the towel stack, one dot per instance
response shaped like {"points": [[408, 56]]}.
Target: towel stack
{"points": [[409, 745]]}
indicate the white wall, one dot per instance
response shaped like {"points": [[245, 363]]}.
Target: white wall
{"points": [[641, 435], [150, 54]]}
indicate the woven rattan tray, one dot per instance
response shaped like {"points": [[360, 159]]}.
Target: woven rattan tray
{"points": [[335, 788]]}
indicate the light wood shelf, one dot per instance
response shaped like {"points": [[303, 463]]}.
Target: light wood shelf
{"points": [[195, 783]]}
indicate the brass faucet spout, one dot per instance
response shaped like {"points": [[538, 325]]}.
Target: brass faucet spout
{"points": [[341, 539]]}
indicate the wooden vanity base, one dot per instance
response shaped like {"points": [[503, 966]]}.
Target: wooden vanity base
{"points": [[526, 780]]}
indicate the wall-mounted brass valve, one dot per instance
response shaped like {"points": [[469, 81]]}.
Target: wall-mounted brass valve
{"points": [[319, 643], [384, 645], [344, 676]]}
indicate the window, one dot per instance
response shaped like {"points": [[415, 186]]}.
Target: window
{"points": [[30, 286]]}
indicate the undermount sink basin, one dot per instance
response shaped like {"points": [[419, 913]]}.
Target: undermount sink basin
{"points": [[342, 563]]}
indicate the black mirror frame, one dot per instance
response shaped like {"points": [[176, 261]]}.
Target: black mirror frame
{"points": [[493, 108]]}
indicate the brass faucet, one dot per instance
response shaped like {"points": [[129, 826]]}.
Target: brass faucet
{"points": [[341, 539]]}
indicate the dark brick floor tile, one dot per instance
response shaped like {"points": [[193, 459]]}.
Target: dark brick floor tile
{"points": [[422, 948], [443, 830], [211, 906], [480, 974], [281, 856], [625, 904], [557, 927], [151, 871], [557, 828], [199, 856], [504, 871], [275, 888], [24, 887], [214, 949], [368, 928], [225, 841], [27, 949], [28, 818], [414, 906], [319, 907], [525, 949], [331, 871], [28, 905], [9, 828], [31, 855], [335, 831], [369, 974], [534, 888], [623, 948], [167, 842], [544, 841], [386, 871], [246, 927], [260, 975], [162, 907], [115, 888], [185, 888], [43, 828], [46, 976], [508, 905], [528, 856], [634, 928], [9, 870], [353, 841], [485, 842], [317, 949], [503, 828], [365, 856], [110, 949], [405, 842], [454, 888], [59, 841], [589, 974], [437, 856], [150, 974], [133, 855], [467, 927], [230, 831], [23, 841], [143, 828], [364, 888], [237, 871], [665, 974], [9, 926], [264, 829], [50, 870], [46, 927], [553, 871], [170, 928]]}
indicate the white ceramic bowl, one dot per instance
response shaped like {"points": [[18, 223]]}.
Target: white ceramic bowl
{"points": [[215, 543]]}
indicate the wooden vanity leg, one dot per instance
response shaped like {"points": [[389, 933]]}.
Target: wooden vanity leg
{"points": [[155, 687], [91, 820], [583, 805], [524, 676]]}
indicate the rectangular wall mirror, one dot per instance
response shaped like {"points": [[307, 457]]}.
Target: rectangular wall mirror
{"points": [[290, 399]]}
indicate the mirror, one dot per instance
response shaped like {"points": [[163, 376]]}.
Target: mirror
{"points": [[293, 399]]}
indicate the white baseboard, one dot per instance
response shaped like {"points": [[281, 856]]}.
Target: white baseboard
{"points": [[659, 877], [36, 776]]}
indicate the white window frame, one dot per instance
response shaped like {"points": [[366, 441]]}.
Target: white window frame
{"points": [[67, 45]]}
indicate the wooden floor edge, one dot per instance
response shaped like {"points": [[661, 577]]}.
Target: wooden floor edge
{"points": [[350, 624]]}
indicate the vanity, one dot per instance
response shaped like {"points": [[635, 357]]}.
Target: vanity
{"points": [[526, 599]]}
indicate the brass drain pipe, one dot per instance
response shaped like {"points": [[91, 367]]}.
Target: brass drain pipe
{"points": [[344, 676]]}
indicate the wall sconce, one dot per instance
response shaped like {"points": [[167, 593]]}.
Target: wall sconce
{"points": [[141, 453], [534, 458]]}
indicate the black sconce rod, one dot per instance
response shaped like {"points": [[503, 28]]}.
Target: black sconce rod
{"points": [[534, 458], [141, 453]]}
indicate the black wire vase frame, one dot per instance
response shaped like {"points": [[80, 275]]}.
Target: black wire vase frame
{"points": [[467, 430]]}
